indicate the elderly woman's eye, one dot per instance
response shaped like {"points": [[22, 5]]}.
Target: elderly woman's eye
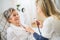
{"points": [[14, 15]]}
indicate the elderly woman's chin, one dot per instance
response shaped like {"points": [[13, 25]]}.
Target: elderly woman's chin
{"points": [[18, 23]]}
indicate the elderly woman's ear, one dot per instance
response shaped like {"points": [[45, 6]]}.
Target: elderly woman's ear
{"points": [[9, 20]]}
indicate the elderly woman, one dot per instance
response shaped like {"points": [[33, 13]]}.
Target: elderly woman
{"points": [[51, 25], [16, 31]]}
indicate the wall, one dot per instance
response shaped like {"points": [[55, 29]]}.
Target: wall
{"points": [[29, 5]]}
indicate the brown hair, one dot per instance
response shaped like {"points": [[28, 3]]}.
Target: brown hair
{"points": [[7, 13], [52, 9], [49, 8], [44, 7]]}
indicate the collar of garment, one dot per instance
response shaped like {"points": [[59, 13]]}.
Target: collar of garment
{"points": [[16, 27]]}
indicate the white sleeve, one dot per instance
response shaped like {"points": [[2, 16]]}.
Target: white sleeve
{"points": [[10, 35], [47, 29], [30, 37]]}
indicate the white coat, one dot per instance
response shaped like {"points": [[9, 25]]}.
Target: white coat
{"points": [[51, 28]]}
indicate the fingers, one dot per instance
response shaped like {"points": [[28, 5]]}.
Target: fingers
{"points": [[29, 29]]}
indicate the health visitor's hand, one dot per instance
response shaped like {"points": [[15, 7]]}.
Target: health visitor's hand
{"points": [[29, 29]]}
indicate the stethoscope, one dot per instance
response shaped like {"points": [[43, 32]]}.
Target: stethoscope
{"points": [[38, 23], [38, 26]]}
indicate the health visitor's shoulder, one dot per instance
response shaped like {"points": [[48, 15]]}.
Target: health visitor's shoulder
{"points": [[49, 19]]}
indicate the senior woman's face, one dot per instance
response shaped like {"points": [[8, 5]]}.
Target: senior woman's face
{"points": [[14, 18]]}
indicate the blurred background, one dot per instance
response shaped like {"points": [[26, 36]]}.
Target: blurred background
{"points": [[26, 8]]}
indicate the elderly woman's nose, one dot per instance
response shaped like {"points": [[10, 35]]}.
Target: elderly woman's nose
{"points": [[17, 16]]}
